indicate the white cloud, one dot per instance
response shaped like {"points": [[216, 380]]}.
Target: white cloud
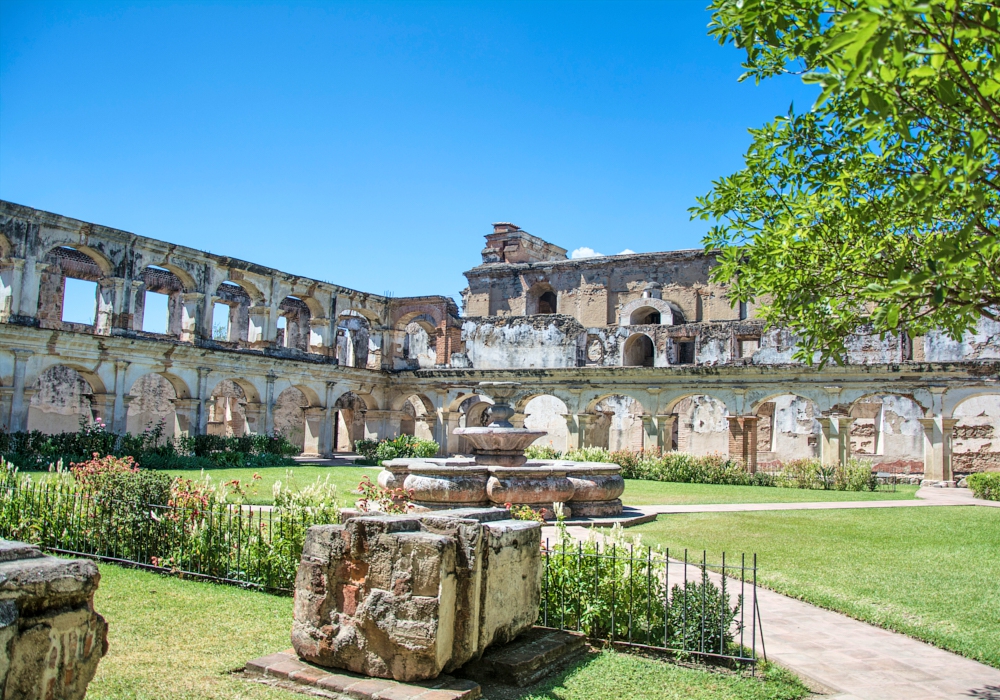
{"points": [[584, 252], [627, 251]]}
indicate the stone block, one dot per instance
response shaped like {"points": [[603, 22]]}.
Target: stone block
{"points": [[410, 597], [51, 639]]}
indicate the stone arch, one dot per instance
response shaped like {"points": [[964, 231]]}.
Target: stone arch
{"points": [[234, 408], [634, 312], [546, 412], [290, 415], [887, 430], [78, 263], [975, 437], [639, 351], [419, 339], [787, 428], [63, 397], [160, 280], [151, 403], [541, 299], [701, 426], [349, 426], [354, 331], [616, 423], [297, 315], [420, 416], [234, 294]]}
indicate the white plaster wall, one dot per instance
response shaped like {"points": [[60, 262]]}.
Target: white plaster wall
{"points": [[982, 344], [619, 424], [795, 426], [518, 346], [702, 427], [976, 441], [546, 413], [61, 399], [151, 404]]}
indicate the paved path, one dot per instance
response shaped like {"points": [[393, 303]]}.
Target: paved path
{"points": [[845, 658]]}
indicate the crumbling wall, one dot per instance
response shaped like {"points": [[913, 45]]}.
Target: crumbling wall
{"points": [[289, 416], [981, 344], [523, 342], [976, 436], [547, 413], [702, 427], [62, 399], [152, 404]]}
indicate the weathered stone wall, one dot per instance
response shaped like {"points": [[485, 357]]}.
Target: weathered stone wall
{"points": [[51, 639]]}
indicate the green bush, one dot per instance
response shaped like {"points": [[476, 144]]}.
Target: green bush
{"points": [[604, 587], [542, 452], [34, 450], [375, 452], [985, 485]]}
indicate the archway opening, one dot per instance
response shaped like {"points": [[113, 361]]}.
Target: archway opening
{"points": [[227, 410], [152, 404], [420, 344], [353, 339], [548, 303], [158, 307], [638, 351], [617, 424], [974, 446], [787, 429], [547, 413], [887, 431], [62, 402], [418, 420], [290, 416], [294, 332], [645, 315], [350, 422], [70, 292], [231, 313], [701, 427]]}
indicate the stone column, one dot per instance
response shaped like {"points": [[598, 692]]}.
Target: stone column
{"points": [[119, 419], [203, 398], [269, 403], [137, 305], [835, 447], [6, 397], [449, 421], [577, 425], [665, 431], [743, 440], [937, 447], [649, 433], [254, 411], [326, 435], [312, 427], [103, 406], [18, 406], [319, 336], [31, 281], [186, 413], [11, 280], [191, 304]]}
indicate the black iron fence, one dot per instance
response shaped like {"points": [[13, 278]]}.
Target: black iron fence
{"points": [[250, 546], [643, 597]]}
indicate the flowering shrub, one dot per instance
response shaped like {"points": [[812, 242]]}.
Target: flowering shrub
{"points": [[542, 452], [379, 499]]}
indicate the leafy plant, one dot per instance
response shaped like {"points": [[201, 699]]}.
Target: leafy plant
{"points": [[379, 499], [985, 485], [542, 452], [877, 209], [525, 512], [375, 452]]}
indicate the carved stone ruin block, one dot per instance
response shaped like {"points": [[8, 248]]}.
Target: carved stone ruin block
{"points": [[411, 596], [50, 637]]}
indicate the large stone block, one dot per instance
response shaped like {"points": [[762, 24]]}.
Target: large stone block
{"points": [[409, 597], [50, 637]]}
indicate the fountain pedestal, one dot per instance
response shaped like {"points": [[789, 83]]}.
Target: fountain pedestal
{"points": [[499, 473]]}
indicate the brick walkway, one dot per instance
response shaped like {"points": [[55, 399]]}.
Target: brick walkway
{"points": [[845, 658]]}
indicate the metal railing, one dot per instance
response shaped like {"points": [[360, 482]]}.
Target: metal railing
{"points": [[251, 546], [642, 597]]}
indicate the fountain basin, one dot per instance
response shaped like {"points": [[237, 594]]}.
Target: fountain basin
{"points": [[596, 490], [531, 485], [497, 446], [438, 483]]}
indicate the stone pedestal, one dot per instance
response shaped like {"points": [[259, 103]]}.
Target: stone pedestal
{"points": [[50, 637], [410, 597]]}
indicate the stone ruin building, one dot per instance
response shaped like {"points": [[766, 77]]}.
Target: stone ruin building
{"points": [[636, 351]]}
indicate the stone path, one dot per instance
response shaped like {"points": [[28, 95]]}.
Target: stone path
{"points": [[845, 658]]}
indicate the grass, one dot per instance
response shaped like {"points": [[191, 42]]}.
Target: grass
{"points": [[645, 493], [930, 573], [173, 639], [346, 479]]}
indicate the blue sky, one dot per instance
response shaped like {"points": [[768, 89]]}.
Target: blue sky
{"points": [[373, 144]]}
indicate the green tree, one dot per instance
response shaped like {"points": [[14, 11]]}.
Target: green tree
{"points": [[878, 207]]}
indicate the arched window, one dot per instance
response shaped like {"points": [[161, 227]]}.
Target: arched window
{"points": [[547, 303], [638, 351]]}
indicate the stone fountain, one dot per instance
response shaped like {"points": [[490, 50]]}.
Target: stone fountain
{"points": [[499, 473]]}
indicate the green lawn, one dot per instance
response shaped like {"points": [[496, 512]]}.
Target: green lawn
{"points": [[172, 639], [346, 479], [645, 493], [931, 573]]}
